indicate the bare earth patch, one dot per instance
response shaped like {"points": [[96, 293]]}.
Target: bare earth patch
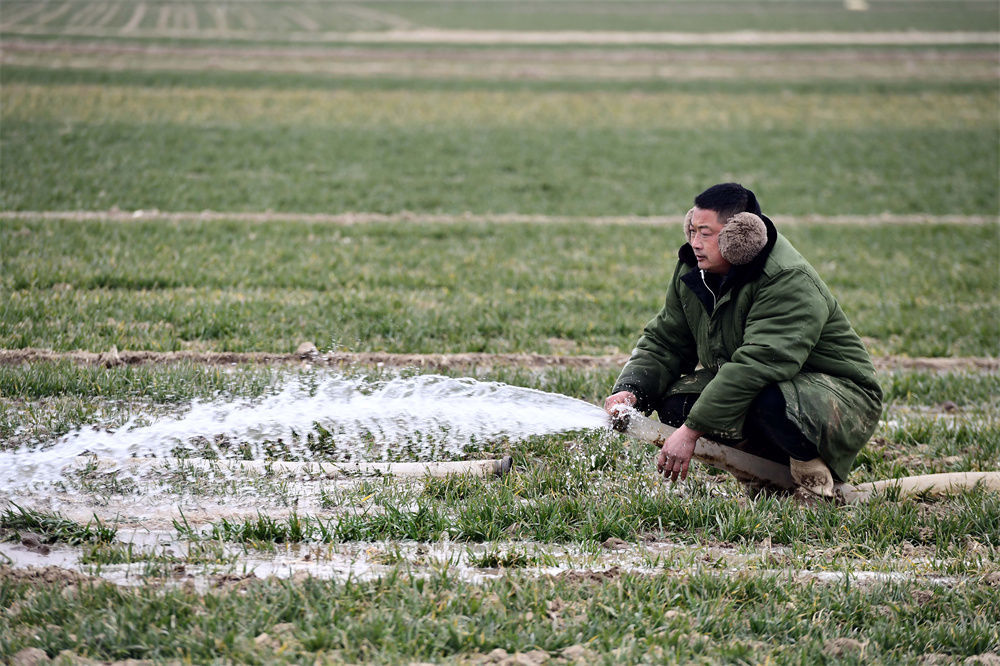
{"points": [[45, 574]]}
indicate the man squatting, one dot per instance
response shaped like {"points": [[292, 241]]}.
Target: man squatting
{"points": [[782, 373]]}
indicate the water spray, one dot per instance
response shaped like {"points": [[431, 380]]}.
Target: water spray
{"points": [[401, 426], [423, 425]]}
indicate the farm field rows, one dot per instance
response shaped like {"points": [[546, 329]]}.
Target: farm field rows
{"points": [[484, 196], [332, 20], [83, 144], [406, 288]]}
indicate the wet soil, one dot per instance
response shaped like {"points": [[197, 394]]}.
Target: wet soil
{"points": [[369, 560], [47, 574]]}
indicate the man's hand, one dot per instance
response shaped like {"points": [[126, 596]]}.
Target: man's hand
{"points": [[619, 406], [675, 456], [626, 398]]}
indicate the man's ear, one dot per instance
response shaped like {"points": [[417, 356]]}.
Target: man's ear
{"points": [[742, 238]]}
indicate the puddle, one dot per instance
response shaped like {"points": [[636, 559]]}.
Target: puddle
{"points": [[873, 577], [64, 557], [363, 561]]}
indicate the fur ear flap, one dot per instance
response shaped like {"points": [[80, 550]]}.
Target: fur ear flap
{"points": [[688, 224], [742, 238]]}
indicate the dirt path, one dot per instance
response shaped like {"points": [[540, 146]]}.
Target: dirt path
{"points": [[427, 361], [353, 218], [549, 37], [518, 62], [425, 52], [599, 37]]}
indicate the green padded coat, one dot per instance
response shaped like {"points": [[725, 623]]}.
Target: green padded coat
{"points": [[774, 321]]}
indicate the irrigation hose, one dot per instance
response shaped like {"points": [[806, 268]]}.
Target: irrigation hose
{"points": [[327, 470], [748, 467], [741, 464]]}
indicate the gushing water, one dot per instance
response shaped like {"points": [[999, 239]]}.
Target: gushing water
{"points": [[424, 417]]}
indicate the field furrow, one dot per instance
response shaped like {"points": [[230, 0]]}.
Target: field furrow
{"points": [[135, 20], [521, 64], [57, 13], [424, 361]]}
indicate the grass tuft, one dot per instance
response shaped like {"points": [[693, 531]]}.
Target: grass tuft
{"points": [[54, 528]]}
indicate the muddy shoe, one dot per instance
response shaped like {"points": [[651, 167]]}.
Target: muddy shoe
{"points": [[813, 476], [806, 497]]}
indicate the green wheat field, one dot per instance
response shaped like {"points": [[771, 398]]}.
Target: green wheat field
{"points": [[505, 178]]}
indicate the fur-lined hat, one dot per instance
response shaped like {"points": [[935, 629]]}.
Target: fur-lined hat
{"points": [[689, 224], [742, 238]]}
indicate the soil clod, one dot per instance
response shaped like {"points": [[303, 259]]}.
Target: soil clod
{"points": [[844, 647], [30, 657]]}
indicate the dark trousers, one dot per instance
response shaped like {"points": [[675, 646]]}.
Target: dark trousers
{"points": [[769, 432]]}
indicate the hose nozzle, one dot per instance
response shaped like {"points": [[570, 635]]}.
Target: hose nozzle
{"points": [[621, 416]]}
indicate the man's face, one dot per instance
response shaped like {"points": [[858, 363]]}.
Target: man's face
{"points": [[705, 241]]}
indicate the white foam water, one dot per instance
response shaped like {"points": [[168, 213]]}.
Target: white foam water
{"points": [[429, 416]]}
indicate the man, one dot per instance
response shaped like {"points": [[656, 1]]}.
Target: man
{"points": [[782, 373]]}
